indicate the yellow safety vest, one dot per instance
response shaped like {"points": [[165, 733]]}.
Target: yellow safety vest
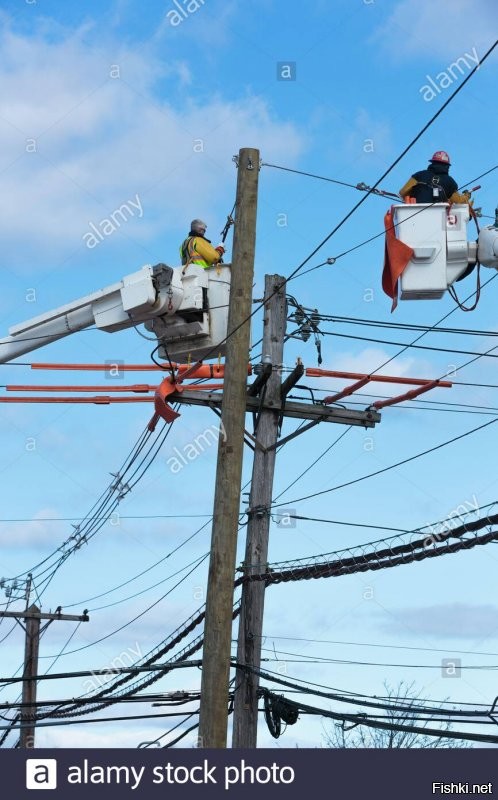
{"points": [[189, 254]]}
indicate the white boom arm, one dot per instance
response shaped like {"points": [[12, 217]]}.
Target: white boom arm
{"points": [[181, 301]]}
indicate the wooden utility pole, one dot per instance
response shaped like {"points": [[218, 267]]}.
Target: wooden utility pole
{"points": [[213, 720], [31, 649], [33, 617], [245, 718]]}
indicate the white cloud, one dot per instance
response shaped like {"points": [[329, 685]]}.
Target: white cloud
{"points": [[369, 360], [456, 620], [77, 143], [438, 30], [38, 533]]}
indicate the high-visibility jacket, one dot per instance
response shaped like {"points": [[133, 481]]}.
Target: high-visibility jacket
{"points": [[197, 250]]}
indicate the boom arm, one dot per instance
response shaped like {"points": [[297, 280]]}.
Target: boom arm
{"points": [[174, 302]]}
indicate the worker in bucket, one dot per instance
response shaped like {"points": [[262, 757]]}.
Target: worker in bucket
{"points": [[434, 184], [196, 249]]}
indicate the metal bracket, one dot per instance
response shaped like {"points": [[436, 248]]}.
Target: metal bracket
{"points": [[261, 379], [258, 511], [247, 436], [288, 438]]}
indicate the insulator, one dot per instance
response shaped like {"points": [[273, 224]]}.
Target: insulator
{"points": [[305, 331], [298, 316]]}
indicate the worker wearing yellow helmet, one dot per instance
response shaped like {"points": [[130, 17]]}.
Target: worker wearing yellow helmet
{"points": [[196, 249]]}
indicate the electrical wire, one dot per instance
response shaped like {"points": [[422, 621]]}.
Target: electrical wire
{"points": [[138, 616], [364, 525], [362, 719], [121, 516], [127, 718], [378, 645], [327, 450], [479, 177], [350, 662], [404, 326], [316, 690], [90, 673], [199, 559], [102, 500], [360, 187], [391, 466], [139, 574], [390, 343], [145, 745], [117, 486]]}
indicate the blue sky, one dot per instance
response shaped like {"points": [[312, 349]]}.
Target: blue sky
{"points": [[101, 106]]}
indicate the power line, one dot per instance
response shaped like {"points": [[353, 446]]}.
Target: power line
{"points": [[138, 616], [106, 518], [436, 324], [362, 719], [378, 645], [170, 699], [375, 323], [361, 187], [91, 673], [356, 699], [431, 525], [391, 466], [374, 560], [138, 574], [167, 644], [117, 487], [353, 663], [102, 500], [336, 441], [406, 345], [155, 741], [127, 718], [479, 177], [197, 561]]}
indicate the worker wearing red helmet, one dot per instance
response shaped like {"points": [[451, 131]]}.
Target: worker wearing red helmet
{"points": [[434, 184]]}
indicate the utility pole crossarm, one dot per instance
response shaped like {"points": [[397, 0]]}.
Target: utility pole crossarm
{"points": [[33, 617], [292, 409], [291, 380], [28, 614]]}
